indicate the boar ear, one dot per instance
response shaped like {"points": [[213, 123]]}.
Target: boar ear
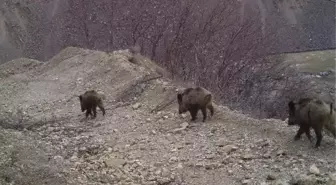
{"points": [[179, 97], [291, 106], [207, 98]]}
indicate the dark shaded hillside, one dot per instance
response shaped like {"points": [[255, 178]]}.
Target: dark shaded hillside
{"points": [[299, 25], [319, 24]]}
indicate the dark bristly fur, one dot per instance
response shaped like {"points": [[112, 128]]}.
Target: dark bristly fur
{"points": [[304, 101], [89, 102], [193, 99], [312, 112]]}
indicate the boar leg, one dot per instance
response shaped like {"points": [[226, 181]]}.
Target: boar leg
{"points": [[94, 111], [210, 107], [193, 112], [88, 112], [318, 131], [299, 132], [101, 107], [308, 134], [204, 112]]}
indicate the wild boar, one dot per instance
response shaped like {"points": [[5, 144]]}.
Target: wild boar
{"points": [[89, 102], [193, 99], [312, 112]]}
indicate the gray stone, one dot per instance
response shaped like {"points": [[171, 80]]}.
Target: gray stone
{"points": [[304, 180], [314, 170], [332, 179], [229, 148], [184, 125], [173, 159], [246, 182], [115, 162], [183, 115], [271, 177], [281, 152], [247, 157], [136, 106], [280, 182]]}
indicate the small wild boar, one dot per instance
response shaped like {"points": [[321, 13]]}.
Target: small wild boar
{"points": [[312, 112], [89, 102], [193, 99]]}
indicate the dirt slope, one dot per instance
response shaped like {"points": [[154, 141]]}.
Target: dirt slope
{"points": [[46, 140]]}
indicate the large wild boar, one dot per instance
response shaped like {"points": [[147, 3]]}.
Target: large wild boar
{"points": [[89, 102], [193, 99], [312, 112]]}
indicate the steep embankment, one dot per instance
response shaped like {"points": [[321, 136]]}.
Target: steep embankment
{"points": [[45, 138]]}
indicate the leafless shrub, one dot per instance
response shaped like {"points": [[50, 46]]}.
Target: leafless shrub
{"points": [[265, 92]]}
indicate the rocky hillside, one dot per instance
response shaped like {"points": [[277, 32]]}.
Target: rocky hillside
{"points": [[45, 138]]}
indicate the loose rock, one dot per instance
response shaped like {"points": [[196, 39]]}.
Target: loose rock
{"points": [[270, 177], [114, 162], [314, 170], [304, 180], [184, 125], [246, 182], [247, 156], [281, 152], [332, 179], [136, 106], [281, 182], [229, 148]]}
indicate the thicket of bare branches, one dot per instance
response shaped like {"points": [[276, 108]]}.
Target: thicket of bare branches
{"points": [[205, 42]]}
